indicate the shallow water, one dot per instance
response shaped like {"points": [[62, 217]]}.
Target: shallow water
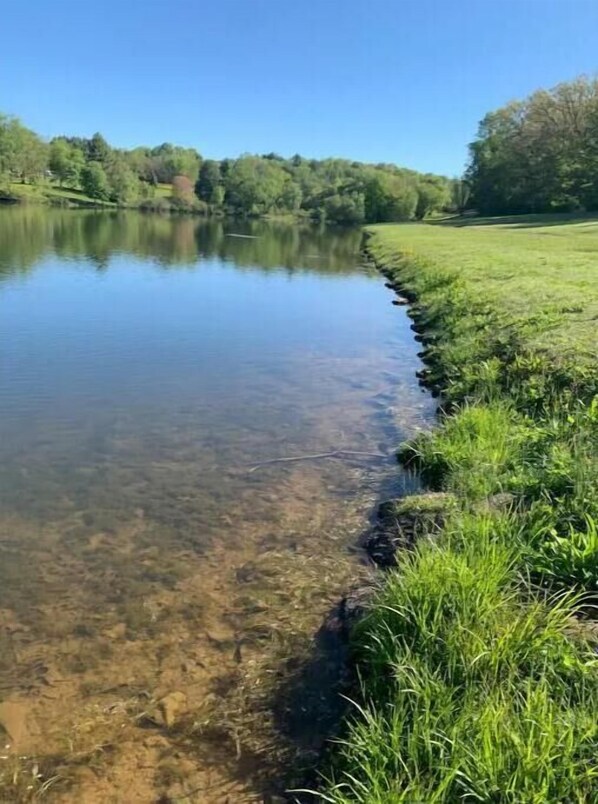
{"points": [[151, 370]]}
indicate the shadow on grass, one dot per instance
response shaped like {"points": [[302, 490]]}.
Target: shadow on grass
{"points": [[519, 221]]}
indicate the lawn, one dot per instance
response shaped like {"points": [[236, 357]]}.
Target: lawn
{"points": [[48, 193], [541, 266], [477, 657]]}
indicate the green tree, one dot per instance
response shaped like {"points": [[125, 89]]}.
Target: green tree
{"points": [[66, 162], [98, 149], [255, 185], [460, 194], [209, 183], [94, 181], [23, 155], [390, 196], [432, 195], [539, 154], [122, 182], [348, 209], [291, 197], [168, 161]]}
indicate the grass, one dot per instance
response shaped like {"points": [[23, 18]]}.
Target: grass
{"points": [[479, 679], [48, 192], [163, 191]]}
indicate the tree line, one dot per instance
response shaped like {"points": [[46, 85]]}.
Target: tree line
{"points": [[336, 190], [539, 154]]}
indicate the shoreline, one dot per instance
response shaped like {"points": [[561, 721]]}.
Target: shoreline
{"points": [[470, 639], [162, 205]]}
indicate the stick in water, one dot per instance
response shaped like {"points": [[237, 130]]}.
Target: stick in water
{"points": [[337, 453]]}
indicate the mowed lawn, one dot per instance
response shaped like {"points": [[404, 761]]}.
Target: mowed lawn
{"points": [[540, 267], [477, 656]]}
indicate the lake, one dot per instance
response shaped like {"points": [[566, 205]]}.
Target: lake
{"points": [[168, 547]]}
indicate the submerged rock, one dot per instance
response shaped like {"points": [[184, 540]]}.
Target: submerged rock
{"points": [[402, 521]]}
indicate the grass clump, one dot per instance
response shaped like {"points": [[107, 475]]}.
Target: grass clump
{"points": [[471, 694], [475, 685]]}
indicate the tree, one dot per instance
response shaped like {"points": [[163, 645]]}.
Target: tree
{"points": [[66, 161], [291, 197], [94, 181], [182, 190], [348, 209], [460, 193], [255, 185], [432, 195], [539, 154], [23, 155], [389, 196], [208, 182], [170, 160], [98, 149], [139, 160], [122, 182]]}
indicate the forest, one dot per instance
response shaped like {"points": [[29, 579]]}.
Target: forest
{"points": [[169, 177], [539, 154]]}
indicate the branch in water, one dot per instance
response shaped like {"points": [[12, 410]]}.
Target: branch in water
{"points": [[337, 453]]}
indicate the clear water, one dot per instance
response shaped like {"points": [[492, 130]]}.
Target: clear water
{"points": [[151, 370]]}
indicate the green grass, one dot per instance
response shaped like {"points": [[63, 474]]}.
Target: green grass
{"points": [[479, 680], [47, 192], [163, 191], [541, 277]]}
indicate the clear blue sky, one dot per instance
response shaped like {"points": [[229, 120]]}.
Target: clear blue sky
{"points": [[402, 81]]}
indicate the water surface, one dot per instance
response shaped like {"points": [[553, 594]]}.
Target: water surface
{"points": [[151, 371]]}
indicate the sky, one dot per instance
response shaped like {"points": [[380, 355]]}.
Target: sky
{"points": [[403, 81]]}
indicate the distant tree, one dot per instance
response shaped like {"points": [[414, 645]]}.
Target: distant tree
{"points": [[432, 195], [335, 189], [539, 154], [291, 197], [170, 160], [182, 189], [23, 155], [225, 167], [255, 185], [66, 161], [7, 144], [32, 156], [390, 196], [139, 160], [208, 182], [94, 181], [460, 193], [98, 149], [348, 209], [122, 182]]}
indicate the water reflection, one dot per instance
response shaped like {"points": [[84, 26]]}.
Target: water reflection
{"points": [[29, 233], [155, 586]]}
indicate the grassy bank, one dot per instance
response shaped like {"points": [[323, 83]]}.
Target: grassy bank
{"points": [[53, 194], [477, 657]]}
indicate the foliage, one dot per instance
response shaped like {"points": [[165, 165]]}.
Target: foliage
{"points": [[540, 154], [255, 185], [65, 162], [209, 183], [432, 195], [94, 181], [23, 154], [336, 190]]}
